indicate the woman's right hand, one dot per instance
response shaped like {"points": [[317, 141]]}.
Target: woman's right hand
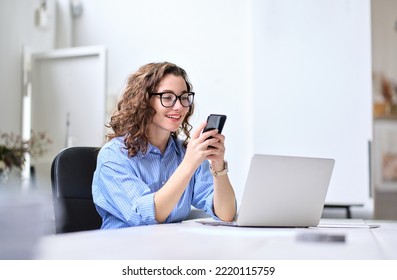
{"points": [[197, 149]]}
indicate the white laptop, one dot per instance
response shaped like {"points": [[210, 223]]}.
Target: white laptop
{"points": [[283, 191]]}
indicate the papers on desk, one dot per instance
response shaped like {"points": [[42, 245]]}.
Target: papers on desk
{"points": [[336, 224], [323, 223], [212, 222]]}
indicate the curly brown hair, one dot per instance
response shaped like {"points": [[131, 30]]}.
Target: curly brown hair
{"points": [[134, 114]]}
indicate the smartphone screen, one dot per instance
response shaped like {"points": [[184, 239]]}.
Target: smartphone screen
{"points": [[215, 121]]}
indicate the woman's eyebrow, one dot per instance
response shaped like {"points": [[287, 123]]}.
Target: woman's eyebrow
{"points": [[168, 90]]}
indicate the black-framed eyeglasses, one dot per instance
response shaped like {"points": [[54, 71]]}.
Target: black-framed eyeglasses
{"points": [[168, 99]]}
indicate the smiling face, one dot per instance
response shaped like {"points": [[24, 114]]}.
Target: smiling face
{"points": [[167, 120]]}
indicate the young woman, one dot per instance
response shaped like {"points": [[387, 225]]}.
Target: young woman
{"points": [[152, 170]]}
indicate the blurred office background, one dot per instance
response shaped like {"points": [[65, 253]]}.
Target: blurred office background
{"points": [[294, 78]]}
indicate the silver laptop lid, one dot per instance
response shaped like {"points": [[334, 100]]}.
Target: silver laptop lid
{"points": [[285, 191]]}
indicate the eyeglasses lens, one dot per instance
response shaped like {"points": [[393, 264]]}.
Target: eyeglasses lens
{"points": [[169, 99]]}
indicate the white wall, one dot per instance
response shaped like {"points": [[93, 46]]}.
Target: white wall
{"points": [[245, 59], [293, 77], [18, 29], [313, 87], [210, 39]]}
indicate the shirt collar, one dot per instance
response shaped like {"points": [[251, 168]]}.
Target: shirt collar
{"points": [[171, 147]]}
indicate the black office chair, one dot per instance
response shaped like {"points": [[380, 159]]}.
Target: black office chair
{"points": [[71, 178]]}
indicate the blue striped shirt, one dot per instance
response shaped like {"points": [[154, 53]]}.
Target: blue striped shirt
{"points": [[123, 187]]}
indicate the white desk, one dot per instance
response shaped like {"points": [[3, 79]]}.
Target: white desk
{"points": [[193, 241]]}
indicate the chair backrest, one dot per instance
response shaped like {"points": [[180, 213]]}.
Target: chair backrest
{"points": [[71, 178]]}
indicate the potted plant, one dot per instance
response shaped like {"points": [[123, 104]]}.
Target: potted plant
{"points": [[13, 151]]}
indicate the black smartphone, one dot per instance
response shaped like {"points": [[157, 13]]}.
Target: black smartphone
{"points": [[215, 121]]}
